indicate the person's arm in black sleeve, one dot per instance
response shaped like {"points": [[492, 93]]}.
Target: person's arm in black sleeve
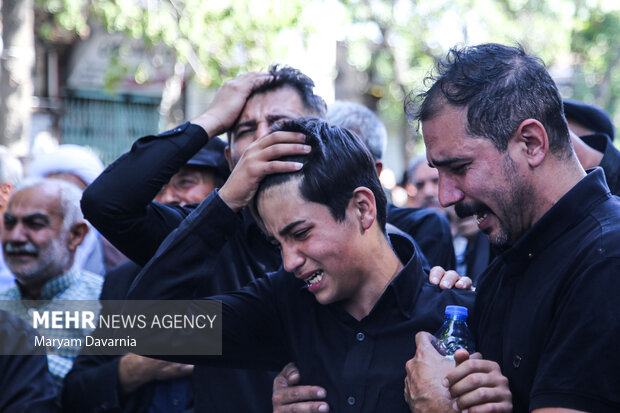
{"points": [[188, 254], [119, 204]]}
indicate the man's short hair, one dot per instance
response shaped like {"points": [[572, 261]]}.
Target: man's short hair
{"points": [[69, 195], [500, 86], [362, 121], [338, 163], [287, 76]]}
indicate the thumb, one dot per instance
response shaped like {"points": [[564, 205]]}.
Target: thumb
{"points": [[460, 356]]}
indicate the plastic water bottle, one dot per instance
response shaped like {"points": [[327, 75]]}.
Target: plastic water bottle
{"points": [[454, 333]]}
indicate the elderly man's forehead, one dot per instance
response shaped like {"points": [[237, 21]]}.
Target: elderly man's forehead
{"points": [[40, 199]]}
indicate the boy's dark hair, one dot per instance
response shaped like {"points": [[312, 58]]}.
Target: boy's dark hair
{"points": [[500, 86], [338, 163]]}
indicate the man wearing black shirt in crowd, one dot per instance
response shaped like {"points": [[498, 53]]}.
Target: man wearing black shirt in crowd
{"points": [[546, 311], [348, 300]]}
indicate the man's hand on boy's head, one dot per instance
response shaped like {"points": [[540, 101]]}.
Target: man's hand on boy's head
{"points": [[258, 161], [448, 279], [289, 396], [228, 103]]}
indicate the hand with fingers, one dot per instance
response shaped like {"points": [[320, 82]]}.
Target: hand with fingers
{"points": [[228, 102], [424, 387], [288, 396], [135, 370], [449, 279], [259, 160], [478, 385]]}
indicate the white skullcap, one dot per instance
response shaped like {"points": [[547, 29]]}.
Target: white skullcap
{"points": [[72, 159]]}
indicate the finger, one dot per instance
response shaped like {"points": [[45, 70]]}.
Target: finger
{"points": [[475, 380], [475, 356], [504, 406], [297, 394], [449, 279], [291, 372], [460, 356], [464, 283], [287, 377], [435, 275], [469, 367], [483, 398], [280, 137], [279, 150], [305, 407]]}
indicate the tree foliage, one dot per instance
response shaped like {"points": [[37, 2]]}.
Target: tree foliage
{"points": [[393, 42]]}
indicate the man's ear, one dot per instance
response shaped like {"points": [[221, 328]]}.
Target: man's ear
{"points": [[365, 207], [533, 136], [379, 167], [77, 232], [227, 153]]}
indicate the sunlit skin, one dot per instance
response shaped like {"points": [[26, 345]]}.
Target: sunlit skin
{"points": [[260, 112], [190, 185], [311, 240], [476, 177], [36, 246]]}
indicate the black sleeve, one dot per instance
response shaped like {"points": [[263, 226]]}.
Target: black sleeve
{"points": [[189, 255], [119, 202], [25, 383]]}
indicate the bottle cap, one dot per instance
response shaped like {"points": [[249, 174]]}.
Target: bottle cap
{"points": [[456, 310]]}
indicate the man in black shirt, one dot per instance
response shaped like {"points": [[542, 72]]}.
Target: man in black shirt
{"points": [[347, 301], [546, 310]]}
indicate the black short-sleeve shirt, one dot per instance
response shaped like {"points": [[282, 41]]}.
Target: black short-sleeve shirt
{"points": [[547, 309]]}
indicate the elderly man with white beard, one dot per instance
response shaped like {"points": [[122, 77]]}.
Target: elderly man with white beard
{"points": [[43, 226]]}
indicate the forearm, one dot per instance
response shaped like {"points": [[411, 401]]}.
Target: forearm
{"points": [[119, 202]]}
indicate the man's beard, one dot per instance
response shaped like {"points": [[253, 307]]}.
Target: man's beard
{"points": [[51, 262]]}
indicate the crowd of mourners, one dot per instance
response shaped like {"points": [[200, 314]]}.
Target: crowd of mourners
{"points": [[330, 292]]}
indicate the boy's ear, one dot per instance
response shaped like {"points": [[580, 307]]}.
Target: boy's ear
{"points": [[363, 202]]}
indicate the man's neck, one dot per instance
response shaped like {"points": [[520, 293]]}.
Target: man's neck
{"points": [[382, 268], [560, 177]]}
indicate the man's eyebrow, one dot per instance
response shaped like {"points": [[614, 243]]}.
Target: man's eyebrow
{"points": [[289, 228], [276, 117], [250, 122], [32, 217], [445, 162]]}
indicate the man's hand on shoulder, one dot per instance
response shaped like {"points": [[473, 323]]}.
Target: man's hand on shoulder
{"points": [[228, 103], [449, 279], [288, 396]]}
